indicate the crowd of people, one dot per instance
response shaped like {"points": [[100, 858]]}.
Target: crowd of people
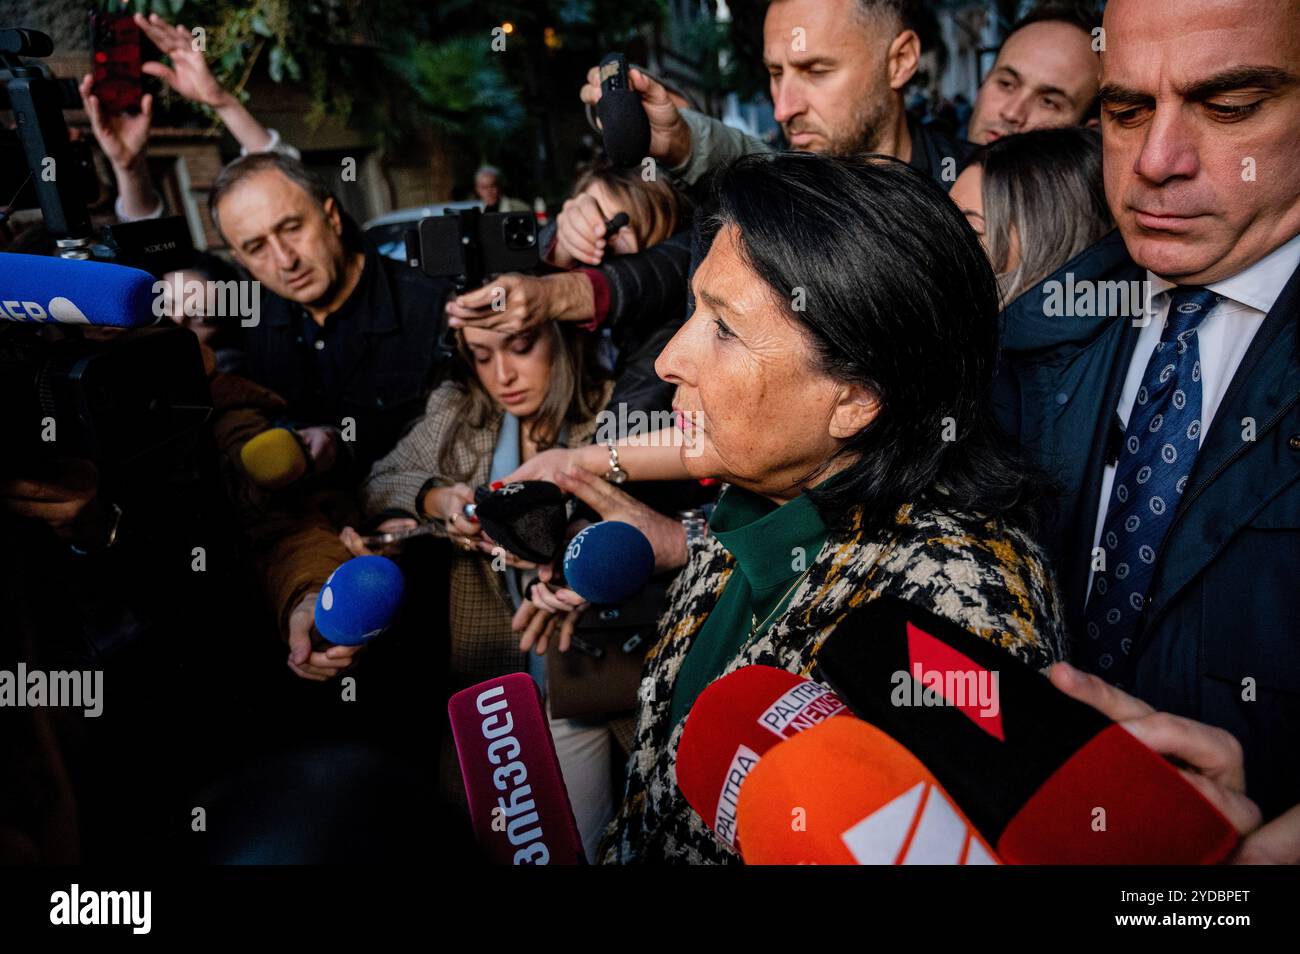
{"points": [[893, 366]]}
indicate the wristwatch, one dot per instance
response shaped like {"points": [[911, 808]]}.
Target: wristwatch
{"points": [[615, 474]]}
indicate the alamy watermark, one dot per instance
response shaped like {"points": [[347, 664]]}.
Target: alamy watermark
{"points": [[658, 428], [969, 689], [210, 299], [1085, 298], [80, 689]]}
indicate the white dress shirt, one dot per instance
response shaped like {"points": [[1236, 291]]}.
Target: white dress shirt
{"points": [[1222, 338]]}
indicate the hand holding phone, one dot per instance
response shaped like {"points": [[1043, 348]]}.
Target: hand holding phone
{"points": [[117, 50]]}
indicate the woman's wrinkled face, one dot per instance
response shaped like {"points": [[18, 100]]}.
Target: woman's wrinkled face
{"points": [[625, 240], [752, 407], [514, 369]]}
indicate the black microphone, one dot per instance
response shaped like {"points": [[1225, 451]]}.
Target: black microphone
{"points": [[614, 224], [1046, 779], [623, 122], [527, 518]]}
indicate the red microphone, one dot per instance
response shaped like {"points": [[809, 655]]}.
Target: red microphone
{"points": [[1045, 778], [518, 804], [734, 721]]}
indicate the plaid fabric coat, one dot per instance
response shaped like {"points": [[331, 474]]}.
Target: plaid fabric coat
{"points": [[984, 576]]}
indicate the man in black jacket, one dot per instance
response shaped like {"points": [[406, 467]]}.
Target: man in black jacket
{"points": [[350, 339], [838, 70], [1156, 378]]}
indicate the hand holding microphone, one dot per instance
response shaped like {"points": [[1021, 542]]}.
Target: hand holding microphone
{"points": [[1211, 758], [322, 444], [357, 603], [1044, 778], [582, 233], [667, 536], [670, 137], [549, 606], [278, 456], [307, 663]]}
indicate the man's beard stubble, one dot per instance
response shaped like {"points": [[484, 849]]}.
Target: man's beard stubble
{"points": [[865, 136]]}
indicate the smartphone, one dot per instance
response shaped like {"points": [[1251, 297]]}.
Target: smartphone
{"points": [[396, 536], [117, 51]]}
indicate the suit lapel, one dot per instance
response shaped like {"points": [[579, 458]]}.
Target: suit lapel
{"points": [[1234, 478], [1115, 356]]}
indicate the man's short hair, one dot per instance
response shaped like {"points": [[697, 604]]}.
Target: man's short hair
{"points": [[910, 13], [492, 171], [236, 172], [292, 169], [1086, 16]]}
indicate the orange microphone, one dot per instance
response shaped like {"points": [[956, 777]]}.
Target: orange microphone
{"points": [[845, 793]]}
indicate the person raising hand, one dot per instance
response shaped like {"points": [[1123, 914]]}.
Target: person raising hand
{"points": [[124, 137]]}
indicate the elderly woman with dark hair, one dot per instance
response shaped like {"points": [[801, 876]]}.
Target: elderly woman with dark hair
{"points": [[836, 375]]}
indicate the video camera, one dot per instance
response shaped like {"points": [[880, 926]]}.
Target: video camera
{"points": [[59, 172], [467, 245], [132, 399]]}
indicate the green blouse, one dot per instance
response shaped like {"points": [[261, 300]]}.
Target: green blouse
{"points": [[772, 546]]}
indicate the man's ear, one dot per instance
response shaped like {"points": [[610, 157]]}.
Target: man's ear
{"points": [[904, 57], [856, 407], [332, 216], [1093, 123]]}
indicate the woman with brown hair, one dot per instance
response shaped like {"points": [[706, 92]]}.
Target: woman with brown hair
{"points": [[509, 397], [1036, 201]]}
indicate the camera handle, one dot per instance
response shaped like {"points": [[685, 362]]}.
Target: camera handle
{"points": [[38, 114]]}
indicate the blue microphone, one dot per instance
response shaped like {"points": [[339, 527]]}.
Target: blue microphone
{"points": [[608, 562], [35, 289], [359, 600]]}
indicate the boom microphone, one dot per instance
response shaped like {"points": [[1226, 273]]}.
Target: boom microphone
{"points": [[845, 793], [274, 458], [733, 723], [608, 562], [623, 122], [359, 600], [518, 804], [1046, 779], [35, 289]]}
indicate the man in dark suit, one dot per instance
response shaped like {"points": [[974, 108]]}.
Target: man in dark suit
{"points": [[1170, 418]]}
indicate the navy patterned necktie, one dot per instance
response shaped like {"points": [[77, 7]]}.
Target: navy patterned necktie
{"points": [[1160, 445]]}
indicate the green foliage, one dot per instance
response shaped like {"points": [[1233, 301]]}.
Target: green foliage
{"points": [[458, 86], [397, 69]]}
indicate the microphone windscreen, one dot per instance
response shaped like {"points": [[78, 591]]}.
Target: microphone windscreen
{"points": [[735, 720], [274, 458], [528, 518], [608, 562], [624, 126], [518, 804], [1045, 778], [39, 289], [845, 793], [359, 600]]}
